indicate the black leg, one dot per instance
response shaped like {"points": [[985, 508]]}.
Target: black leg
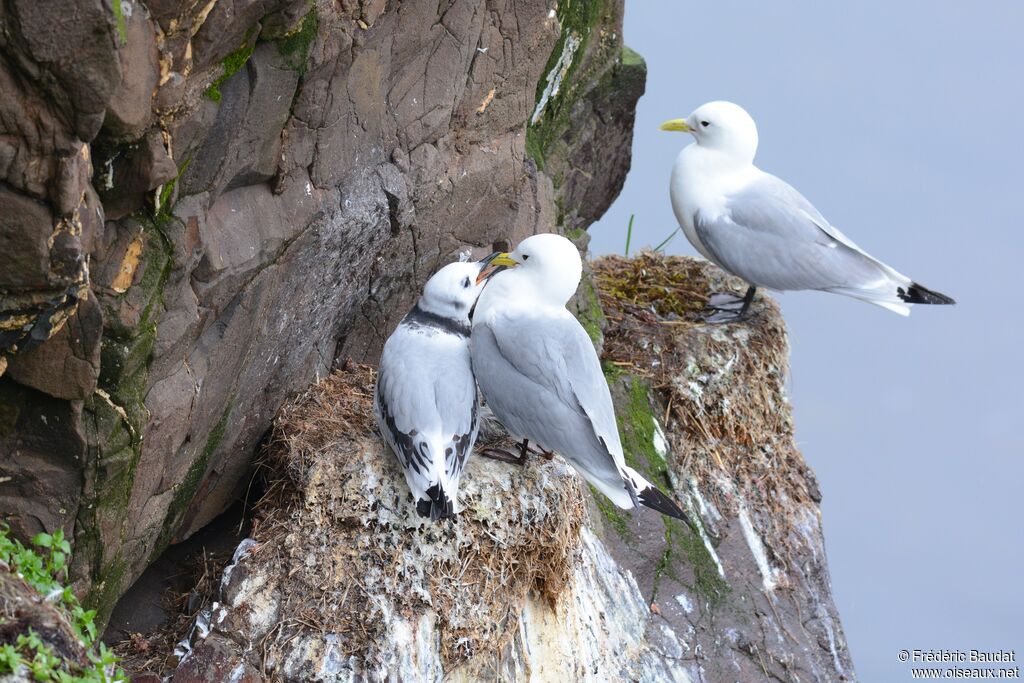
{"points": [[748, 298], [502, 455], [524, 448], [728, 312]]}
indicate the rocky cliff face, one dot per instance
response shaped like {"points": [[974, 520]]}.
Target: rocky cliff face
{"points": [[204, 204], [538, 578]]}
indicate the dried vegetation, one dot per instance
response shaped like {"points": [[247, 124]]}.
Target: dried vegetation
{"points": [[350, 558], [721, 387]]}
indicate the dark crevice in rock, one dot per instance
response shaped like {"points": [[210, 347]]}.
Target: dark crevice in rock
{"points": [[174, 588]]}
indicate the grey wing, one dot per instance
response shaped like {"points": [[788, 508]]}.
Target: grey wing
{"points": [[771, 236], [395, 420], [421, 392], [458, 405], [543, 379]]}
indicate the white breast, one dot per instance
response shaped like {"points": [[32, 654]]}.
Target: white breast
{"points": [[684, 190], [701, 181]]}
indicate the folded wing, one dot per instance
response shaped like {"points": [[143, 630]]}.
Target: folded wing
{"points": [[771, 236]]}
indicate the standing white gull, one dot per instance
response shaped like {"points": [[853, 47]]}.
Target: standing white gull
{"points": [[756, 226], [425, 400], [539, 373]]}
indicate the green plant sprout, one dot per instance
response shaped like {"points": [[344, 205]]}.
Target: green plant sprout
{"points": [[45, 569], [666, 240]]}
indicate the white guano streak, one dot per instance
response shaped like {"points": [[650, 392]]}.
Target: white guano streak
{"points": [[556, 75], [769, 575]]}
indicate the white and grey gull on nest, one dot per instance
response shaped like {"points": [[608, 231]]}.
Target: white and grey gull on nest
{"points": [[539, 372]]}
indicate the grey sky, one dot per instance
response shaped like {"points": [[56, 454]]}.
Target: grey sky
{"points": [[902, 122]]}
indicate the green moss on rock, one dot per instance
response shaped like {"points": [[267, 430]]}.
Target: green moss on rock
{"points": [[106, 589], [579, 19], [637, 428], [631, 57], [296, 45], [185, 491], [589, 311], [119, 20], [116, 417], [612, 372], [708, 583], [682, 548], [163, 206], [231, 65], [612, 514]]}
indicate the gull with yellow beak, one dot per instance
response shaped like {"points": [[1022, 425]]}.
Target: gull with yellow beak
{"points": [[540, 375], [757, 227]]}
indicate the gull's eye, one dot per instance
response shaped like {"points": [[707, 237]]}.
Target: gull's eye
{"points": [[465, 283], [526, 256], [705, 123]]}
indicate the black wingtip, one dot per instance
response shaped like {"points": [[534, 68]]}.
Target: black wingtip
{"points": [[438, 506], [653, 498], [919, 294]]}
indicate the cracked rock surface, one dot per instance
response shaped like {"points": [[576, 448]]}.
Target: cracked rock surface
{"points": [[205, 205]]}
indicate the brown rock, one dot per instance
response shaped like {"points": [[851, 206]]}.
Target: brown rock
{"points": [[146, 678], [74, 172], [49, 32], [590, 161], [243, 144], [214, 659], [25, 225], [129, 111], [133, 172], [225, 27], [317, 183], [40, 473], [68, 364]]}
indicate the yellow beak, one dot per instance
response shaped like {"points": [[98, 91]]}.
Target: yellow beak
{"points": [[676, 124], [495, 263]]}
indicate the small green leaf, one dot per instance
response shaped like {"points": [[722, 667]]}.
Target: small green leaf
{"points": [[9, 658], [43, 540]]}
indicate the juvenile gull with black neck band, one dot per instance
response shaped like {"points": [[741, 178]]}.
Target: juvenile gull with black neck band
{"points": [[425, 400]]}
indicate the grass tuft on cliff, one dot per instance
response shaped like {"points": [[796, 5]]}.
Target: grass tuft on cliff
{"points": [[45, 633]]}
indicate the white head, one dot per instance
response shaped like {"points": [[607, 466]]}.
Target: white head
{"points": [[548, 264], [452, 291], [721, 126]]}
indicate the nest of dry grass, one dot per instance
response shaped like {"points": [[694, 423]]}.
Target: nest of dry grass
{"points": [[345, 556], [722, 387]]}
